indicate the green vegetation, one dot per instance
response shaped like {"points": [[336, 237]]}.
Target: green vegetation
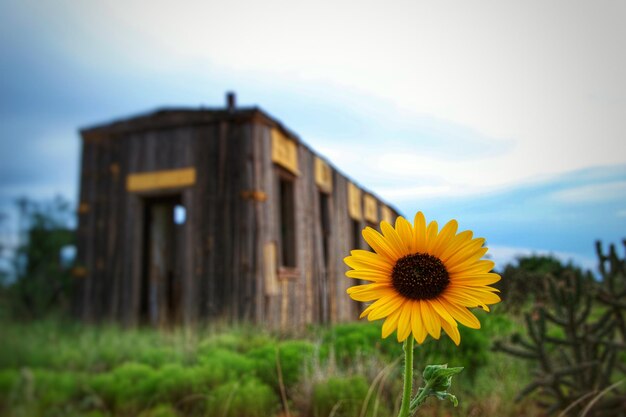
{"points": [[35, 278], [576, 336], [58, 368], [54, 367]]}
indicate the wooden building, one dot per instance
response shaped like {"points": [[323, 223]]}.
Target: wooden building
{"points": [[201, 214]]}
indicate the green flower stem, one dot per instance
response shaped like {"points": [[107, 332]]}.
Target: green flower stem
{"points": [[408, 377], [420, 398]]}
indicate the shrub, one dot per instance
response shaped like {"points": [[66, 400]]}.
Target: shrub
{"points": [[294, 357], [55, 388], [220, 365], [8, 379], [131, 385], [247, 398], [174, 382], [161, 410], [352, 340], [343, 397]]}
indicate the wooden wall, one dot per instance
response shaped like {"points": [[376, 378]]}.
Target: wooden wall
{"points": [[228, 251], [319, 284]]}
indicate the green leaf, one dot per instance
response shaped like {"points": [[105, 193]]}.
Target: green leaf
{"points": [[438, 378], [447, 396]]}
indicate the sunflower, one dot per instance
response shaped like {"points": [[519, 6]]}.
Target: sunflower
{"points": [[421, 279]]}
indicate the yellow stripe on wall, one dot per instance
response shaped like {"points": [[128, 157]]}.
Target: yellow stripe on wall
{"points": [[159, 180], [354, 202], [284, 152], [323, 175], [387, 215], [370, 209]]}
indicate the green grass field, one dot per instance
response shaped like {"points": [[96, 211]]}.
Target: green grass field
{"points": [[59, 368]]}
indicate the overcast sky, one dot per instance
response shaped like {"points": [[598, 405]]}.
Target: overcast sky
{"points": [[509, 116]]}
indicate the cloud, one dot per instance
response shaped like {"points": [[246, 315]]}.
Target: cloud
{"points": [[411, 193], [593, 193], [545, 96], [419, 102], [528, 215]]}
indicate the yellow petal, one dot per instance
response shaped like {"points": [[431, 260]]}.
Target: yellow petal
{"points": [[391, 323], [470, 260], [379, 243], [371, 257], [370, 292], [378, 304], [431, 236], [404, 324], [432, 323], [419, 233], [393, 240], [441, 310], [374, 276], [464, 286], [479, 267], [355, 262], [445, 237], [452, 331], [459, 241], [476, 280], [462, 298], [483, 296], [405, 232], [417, 325], [462, 315], [385, 310], [465, 252]]}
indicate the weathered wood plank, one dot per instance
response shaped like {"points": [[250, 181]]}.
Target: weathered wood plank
{"points": [[221, 267]]}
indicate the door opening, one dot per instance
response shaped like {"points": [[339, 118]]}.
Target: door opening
{"points": [[161, 270], [324, 293]]}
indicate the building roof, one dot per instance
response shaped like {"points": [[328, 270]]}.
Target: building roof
{"points": [[167, 118]]}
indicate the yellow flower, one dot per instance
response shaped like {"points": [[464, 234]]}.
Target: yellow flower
{"points": [[422, 279]]}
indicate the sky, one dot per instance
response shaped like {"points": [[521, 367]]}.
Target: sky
{"points": [[508, 116]]}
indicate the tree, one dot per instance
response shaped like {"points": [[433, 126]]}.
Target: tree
{"points": [[527, 281], [576, 338], [42, 276]]}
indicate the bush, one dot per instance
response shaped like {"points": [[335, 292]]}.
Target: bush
{"points": [[294, 356], [247, 398], [218, 366], [131, 385], [55, 388], [8, 379], [343, 397], [53, 368], [352, 340], [161, 410]]}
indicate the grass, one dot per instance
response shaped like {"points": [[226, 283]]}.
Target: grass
{"points": [[59, 368]]}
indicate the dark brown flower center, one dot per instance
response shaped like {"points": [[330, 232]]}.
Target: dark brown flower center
{"points": [[419, 276]]}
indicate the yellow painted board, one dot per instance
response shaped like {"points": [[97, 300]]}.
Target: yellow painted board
{"points": [[354, 202], [370, 209], [159, 180], [387, 215], [323, 175], [83, 208], [285, 152], [269, 270]]}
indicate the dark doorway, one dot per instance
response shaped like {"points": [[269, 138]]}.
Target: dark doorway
{"points": [[164, 219], [324, 293], [287, 221], [355, 232]]}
